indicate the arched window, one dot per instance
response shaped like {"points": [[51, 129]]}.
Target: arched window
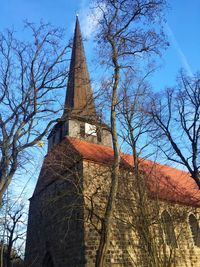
{"points": [[47, 262], [82, 130], [194, 226], [168, 228]]}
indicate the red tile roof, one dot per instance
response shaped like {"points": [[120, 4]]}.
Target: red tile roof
{"points": [[164, 182]]}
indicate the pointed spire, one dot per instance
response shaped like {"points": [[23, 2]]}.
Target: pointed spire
{"points": [[79, 99]]}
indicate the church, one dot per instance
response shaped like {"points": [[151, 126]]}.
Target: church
{"points": [[156, 227]]}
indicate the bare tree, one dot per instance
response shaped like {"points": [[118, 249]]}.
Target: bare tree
{"points": [[122, 39], [177, 120], [30, 74], [136, 126], [143, 215], [12, 232]]}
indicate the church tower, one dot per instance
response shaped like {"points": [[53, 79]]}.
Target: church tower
{"points": [[79, 118], [56, 231]]}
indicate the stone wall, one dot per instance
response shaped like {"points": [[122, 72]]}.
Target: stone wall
{"points": [[97, 133], [127, 246], [56, 224], [65, 220]]}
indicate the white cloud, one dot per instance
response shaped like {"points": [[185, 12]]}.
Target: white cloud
{"points": [[89, 20], [181, 55]]}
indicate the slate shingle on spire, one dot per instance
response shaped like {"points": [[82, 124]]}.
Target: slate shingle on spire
{"points": [[79, 99], [79, 118]]}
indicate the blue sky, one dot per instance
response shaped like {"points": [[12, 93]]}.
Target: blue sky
{"points": [[183, 23], [183, 20]]}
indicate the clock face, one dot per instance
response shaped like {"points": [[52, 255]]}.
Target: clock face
{"points": [[90, 129]]}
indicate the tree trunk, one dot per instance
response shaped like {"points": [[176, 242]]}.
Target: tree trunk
{"points": [[107, 220]]}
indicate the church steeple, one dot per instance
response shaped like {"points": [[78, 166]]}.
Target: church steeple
{"points": [[79, 119], [79, 98]]}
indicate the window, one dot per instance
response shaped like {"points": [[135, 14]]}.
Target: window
{"points": [[47, 262], [194, 226], [82, 130], [61, 133], [65, 128], [99, 137], [54, 139], [168, 228]]}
